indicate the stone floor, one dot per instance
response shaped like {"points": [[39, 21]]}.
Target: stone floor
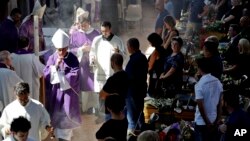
{"points": [[88, 129]]}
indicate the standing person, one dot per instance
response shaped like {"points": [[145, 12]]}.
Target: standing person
{"points": [[8, 80], [232, 47], [103, 46], [207, 95], [116, 127], [27, 107], [155, 63], [210, 51], [21, 59], [80, 45], [178, 6], [19, 129], [137, 69], [113, 84], [9, 31], [172, 75], [162, 12], [77, 25], [63, 73], [169, 23], [236, 119], [198, 9], [27, 27]]}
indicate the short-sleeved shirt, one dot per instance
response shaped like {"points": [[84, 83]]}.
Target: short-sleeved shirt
{"points": [[177, 62], [117, 83], [208, 88], [114, 128]]}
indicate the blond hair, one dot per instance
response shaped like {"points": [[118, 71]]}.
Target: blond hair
{"points": [[244, 46]]}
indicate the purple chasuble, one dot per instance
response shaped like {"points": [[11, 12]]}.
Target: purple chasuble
{"points": [[78, 39], [63, 106], [27, 30]]}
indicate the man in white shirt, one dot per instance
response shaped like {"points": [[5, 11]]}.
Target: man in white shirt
{"points": [[22, 59], [8, 79], [207, 95], [19, 130], [29, 108]]}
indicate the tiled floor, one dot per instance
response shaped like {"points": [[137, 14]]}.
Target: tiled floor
{"points": [[88, 129]]}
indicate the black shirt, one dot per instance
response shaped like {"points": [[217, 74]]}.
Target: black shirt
{"points": [[113, 128], [117, 83]]}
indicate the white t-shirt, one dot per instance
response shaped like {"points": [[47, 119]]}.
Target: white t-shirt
{"points": [[208, 88]]}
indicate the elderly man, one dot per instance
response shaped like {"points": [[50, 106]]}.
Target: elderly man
{"points": [[62, 73], [8, 79], [80, 44], [27, 107], [21, 59]]}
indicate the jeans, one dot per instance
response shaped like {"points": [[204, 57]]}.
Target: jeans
{"points": [[134, 112]]}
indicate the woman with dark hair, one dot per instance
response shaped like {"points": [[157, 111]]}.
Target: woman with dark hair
{"points": [[155, 62], [173, 66]]}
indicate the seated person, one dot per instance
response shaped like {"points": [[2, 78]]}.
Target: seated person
{"points": [[19, 129], [173, 66], [240, 66], [233, 15], [232, 50], [117, 126]]}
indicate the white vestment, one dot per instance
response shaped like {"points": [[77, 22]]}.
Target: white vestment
{"points": [[8, 79], [101, 51], [30, 69], [34, 111]]}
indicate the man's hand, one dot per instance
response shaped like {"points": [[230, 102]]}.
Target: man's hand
{"points": [[116, 50], [58, 61], [50, 130], [7, 131], [86, 47]]}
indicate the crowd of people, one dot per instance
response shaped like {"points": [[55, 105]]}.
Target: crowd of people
{"points": [[94, 68]]}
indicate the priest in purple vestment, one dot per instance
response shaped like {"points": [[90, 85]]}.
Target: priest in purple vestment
{"points": [[27, 27], [80, 44], [62, 72]]}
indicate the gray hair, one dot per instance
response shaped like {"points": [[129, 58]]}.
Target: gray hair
{"points": [[148, 135], [22, 88], [4, 55]]}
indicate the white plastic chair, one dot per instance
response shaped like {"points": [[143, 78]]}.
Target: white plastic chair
{"points": [[133, 14]]}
